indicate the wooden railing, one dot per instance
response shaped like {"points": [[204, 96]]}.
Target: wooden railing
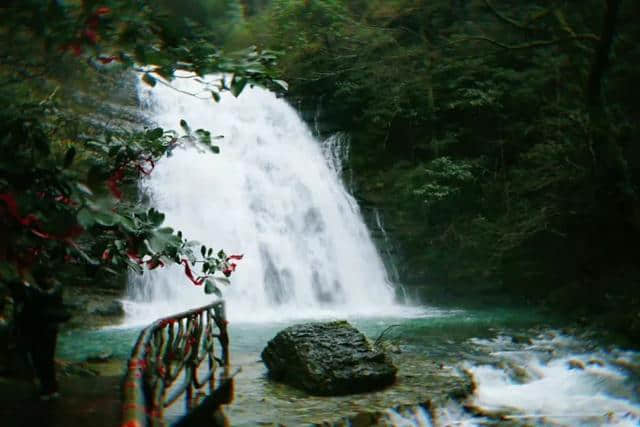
{"points": [[173, 357]]}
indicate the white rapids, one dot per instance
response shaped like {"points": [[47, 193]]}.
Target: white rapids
{"points": [[552, 380]]}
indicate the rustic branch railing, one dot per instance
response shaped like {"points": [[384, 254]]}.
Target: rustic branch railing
{"points": [[168, 361]]}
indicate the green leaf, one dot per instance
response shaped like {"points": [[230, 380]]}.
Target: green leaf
{"points": [[215, 149], [211, 288], [204, 136], [215, 95], [155, 133], [85, 256], [84, 189], [282, 84], [128, 224], [106, 219], [149, 79], [8, 271], [97, 145], [163, 239], [237, 86], [155, 217], [203, 250], [185, 126], [85, 218]]}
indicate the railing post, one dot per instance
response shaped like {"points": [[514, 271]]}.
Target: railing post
{"points": [[162, 355]]}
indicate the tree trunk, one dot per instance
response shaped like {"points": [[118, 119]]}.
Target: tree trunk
{"points": [[601, 60]]}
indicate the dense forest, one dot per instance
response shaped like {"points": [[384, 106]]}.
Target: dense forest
{"points": [[495, 138], [498, 139]]}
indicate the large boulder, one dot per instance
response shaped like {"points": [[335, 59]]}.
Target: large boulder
{"points": [[331, 358]]}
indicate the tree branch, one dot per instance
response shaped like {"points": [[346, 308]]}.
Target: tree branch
{"points": [[601, 60], [532, 45], [564, 24], [382, 334]]}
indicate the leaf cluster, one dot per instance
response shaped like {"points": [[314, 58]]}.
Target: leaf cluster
{"points": [[65, 193]]}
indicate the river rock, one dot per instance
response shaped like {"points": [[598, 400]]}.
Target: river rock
{"points": [[409, 414], [331, 358], [576, 364], [112, 308]]}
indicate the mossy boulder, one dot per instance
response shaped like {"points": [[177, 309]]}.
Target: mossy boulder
{"points": [[330, 358]]}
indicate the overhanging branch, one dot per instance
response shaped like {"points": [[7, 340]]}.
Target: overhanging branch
{"points": [[531, 45]]}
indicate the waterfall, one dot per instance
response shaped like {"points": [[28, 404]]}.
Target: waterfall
{"points": [[387, 248], [272, 195]]}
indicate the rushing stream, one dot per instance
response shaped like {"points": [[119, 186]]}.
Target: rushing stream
{"points": [[274, 194]]}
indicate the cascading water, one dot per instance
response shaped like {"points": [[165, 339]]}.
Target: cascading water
{"points": [[271, 195]]}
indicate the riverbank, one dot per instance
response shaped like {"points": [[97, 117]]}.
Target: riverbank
{"points": [[84, 401]]}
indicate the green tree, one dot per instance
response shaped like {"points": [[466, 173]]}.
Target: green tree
{"points": [[61, 194], [496, 136]]}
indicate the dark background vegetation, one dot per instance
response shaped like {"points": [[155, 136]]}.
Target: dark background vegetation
{"points": [[497, 138]]}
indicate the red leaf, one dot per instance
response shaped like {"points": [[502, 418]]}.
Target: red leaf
{"points": [[65, 200], [76, 49], [104, 10], [237, 257], [91, 35], [93, 22], [12, 205], [146, 172], [113, 181], [106, 59], [230, 269], [106, 255], [133, 256], [153, 264], [42, 234], [189, 273], [28, 220]]}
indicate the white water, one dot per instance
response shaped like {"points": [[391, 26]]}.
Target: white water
{"points": [[556, 380], [559, 382], [271, 195]]}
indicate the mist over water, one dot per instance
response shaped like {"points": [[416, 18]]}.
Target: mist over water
{"points": [[273, 195]]}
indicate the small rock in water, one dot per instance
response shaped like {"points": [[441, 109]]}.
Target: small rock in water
{"points": [[575, 364], [100, 358], [108, 309], [331, 358], [521, 339], [595, 362]]}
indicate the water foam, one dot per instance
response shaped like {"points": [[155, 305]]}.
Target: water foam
{"points": [[555, 380]]}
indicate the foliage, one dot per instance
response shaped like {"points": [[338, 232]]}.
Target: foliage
{"points": [[62, 199], [495, 136]]}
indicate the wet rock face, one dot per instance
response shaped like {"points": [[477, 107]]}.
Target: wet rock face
{"points": [[331, 358]]}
